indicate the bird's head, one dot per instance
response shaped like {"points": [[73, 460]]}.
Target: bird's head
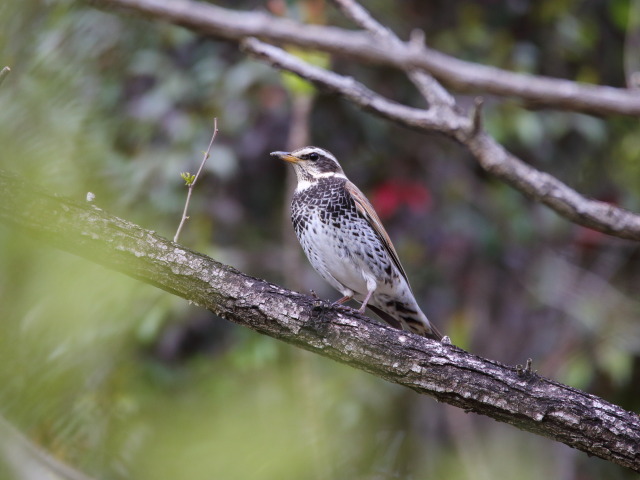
{"points": [[311, 164]]}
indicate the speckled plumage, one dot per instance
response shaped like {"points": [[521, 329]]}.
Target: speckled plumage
{"points": [[345, 242]]}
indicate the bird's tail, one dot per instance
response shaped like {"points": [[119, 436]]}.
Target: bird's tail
{"points": [[422, 326]]}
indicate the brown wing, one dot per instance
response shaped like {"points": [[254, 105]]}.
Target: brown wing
{"points": [[366, 210]]}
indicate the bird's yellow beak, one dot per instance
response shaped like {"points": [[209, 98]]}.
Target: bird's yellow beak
{"points": [[286, 156]]}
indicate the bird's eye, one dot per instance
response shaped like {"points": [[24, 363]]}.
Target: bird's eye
{"points": [[313, 156]]}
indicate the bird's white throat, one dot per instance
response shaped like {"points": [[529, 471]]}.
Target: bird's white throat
{"points": [[304, 184]]}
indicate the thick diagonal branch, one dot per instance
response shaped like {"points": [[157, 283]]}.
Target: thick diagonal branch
{"points": [[459, 74], [451, 375]]}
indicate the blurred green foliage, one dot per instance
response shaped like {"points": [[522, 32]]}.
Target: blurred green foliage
{"points": [[124, 381], [298, 86]]}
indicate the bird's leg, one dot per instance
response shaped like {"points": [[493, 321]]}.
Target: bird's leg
{"points": [[366, 300], [348, 295], [340, 301]]}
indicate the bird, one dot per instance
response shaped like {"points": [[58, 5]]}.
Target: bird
{"points": [[345, 242]]}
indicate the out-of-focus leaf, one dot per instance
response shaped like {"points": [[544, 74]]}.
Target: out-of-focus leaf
{"points": [[296, 85]]}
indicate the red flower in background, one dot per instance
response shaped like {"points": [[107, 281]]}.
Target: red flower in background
{"points": [[390, 196]]}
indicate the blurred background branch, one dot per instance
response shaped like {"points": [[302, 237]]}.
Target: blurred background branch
{"points": [[465, 76], [428, 86], [492, 156], [516, 396]]}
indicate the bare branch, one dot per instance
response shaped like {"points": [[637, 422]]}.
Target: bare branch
{"points": [[428, 86], [465, 76], [192, 181], [507, 394], [436, 118], [361, 17], [490, 154]]}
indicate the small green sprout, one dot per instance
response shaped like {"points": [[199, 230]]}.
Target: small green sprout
{"points": [[188, 178]]}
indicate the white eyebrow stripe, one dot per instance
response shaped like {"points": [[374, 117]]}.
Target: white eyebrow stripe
{"points": [[307, 150]]}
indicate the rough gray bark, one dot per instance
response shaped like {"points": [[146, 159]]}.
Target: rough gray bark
{"points": [[512, 395]]}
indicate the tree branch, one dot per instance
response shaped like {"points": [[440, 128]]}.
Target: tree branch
{"points": [[445, 372], [490, 154], [428, 86], [465, 76]]}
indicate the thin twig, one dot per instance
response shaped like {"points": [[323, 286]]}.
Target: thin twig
{"points": [[191, 182], [361, 17], [4, 73], [430, 88]]}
